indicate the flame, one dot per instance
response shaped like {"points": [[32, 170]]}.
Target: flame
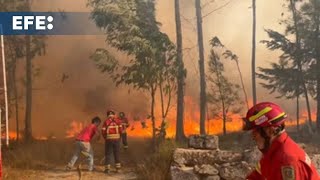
{"points": [[143, 127], [41, 138], [191, 122], [12, 135], [303, 118], [75, 128]]}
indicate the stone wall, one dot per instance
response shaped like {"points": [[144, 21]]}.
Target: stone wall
{"points": [[203, 160]]}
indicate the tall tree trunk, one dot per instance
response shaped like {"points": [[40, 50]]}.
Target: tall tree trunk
{"points": [[13, 79], [253, 58], [242, 84], [153, 119], [308, 104], [15, 96], [224, 117], [28, 124], [162, 100], [181, 75], [318, 88], [298, 114], [317, 32], [202, 69], [28, 118], [162, 131], [298, 58]]}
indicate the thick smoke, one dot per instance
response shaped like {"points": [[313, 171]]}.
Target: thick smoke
{"points": [[70, 87]]}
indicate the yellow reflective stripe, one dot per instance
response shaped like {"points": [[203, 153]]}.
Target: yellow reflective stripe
{"points": [[262, 112], [113, 136], [113, 126], [117, 127], [282, 114], [258, 168], [118, 165]]}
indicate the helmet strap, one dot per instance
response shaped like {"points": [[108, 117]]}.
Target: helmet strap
{"points": [[266, 140]]}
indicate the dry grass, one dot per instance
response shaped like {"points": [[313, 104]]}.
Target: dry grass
{"points": [[38, 154], [156, 166], [24, 159]]}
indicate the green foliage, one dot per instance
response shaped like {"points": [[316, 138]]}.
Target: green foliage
{"points": [[224, 95], [131, 27], [283, 79], [296, 66]]}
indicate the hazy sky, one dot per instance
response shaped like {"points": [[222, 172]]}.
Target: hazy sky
{"points": [[57, 103]]}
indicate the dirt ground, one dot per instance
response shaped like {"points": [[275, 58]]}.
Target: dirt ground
{"points": [[60, 173], [47, 159]]}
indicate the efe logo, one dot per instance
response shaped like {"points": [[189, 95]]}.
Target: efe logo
{"points": [[39, 22]]}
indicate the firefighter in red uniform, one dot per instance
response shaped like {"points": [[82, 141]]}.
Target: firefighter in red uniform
{"points": [[111, 131], [125, 125], [282, 158]]}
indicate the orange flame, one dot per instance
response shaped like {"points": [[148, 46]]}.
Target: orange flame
{"points": [[12, 135], [191, 122], [303, 119], [75, 128], [41, 138], [143, 127]]}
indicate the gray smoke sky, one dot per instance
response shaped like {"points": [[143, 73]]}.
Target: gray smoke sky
{"points": [[86, 92]]}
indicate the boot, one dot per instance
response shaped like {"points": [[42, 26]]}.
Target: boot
{"points": [[118, 166], [107, 169]]}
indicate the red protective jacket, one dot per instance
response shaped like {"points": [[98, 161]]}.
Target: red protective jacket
{"points": [[285, 160], [125, 124], [111, 129]]}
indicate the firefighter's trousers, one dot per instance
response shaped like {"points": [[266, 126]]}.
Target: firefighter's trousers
{"points": [[112, 147]]}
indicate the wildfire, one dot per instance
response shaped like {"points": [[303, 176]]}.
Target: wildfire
{"points": [[75, 128], [191, 122], [12, 135], [143, 127], [41, 138], [303, 119]]}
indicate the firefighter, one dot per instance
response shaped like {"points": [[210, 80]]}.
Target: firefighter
{"points": [[111, 131], [282, 157], [125, 125], [83, 143]]}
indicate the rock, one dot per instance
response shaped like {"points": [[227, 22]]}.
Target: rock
{"points": [[183, 173], [206, 169], [191, 157], [252, 156], [196, 141], [237, 171], [211, 142], [212, 178], [315, 159], [203, 142], [227, 156]]}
